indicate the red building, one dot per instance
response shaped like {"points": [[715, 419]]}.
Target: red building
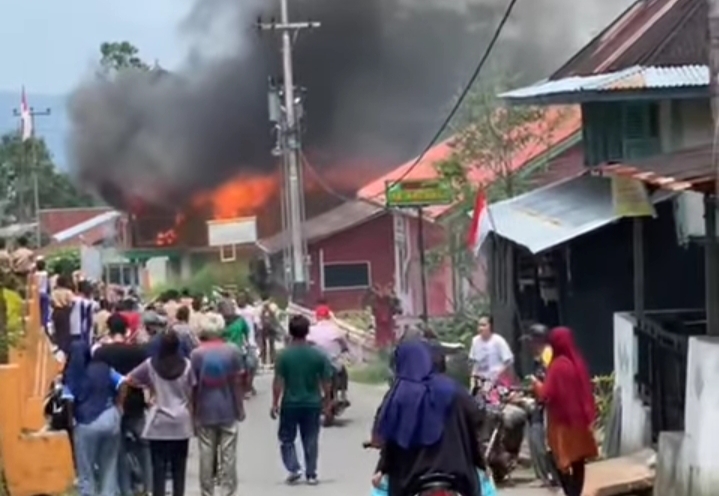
{"points": [[361, 245]]}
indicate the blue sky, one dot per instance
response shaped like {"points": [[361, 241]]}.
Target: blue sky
{"points": [[48, 45]]}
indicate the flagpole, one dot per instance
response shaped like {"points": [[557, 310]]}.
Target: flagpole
{"points": [[29, 113]]}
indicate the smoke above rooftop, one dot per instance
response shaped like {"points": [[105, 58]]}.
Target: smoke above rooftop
{"points": [[379, 75]]}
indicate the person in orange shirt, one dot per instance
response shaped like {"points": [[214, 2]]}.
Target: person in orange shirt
{"points": [[568, 395]]}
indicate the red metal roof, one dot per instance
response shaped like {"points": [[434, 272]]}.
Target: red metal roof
{"points": [[559, 124], [649, 32], [54, 220]]}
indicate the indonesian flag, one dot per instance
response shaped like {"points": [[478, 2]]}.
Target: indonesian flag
{"points": [[480, 227], [25, 118]]}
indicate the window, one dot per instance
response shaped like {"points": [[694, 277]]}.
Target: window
{"points": [[616, 131], [353, 275]]}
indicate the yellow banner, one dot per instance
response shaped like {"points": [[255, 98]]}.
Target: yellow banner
{"points": [[630, 198]]}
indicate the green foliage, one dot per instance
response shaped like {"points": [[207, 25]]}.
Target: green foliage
{"points": [[603, 394], [375, 371], [119, 55], [462, 325], [361, 319], [64, 261], [19, 162], [209, 277]]}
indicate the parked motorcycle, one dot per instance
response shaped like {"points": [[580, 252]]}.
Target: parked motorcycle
{"points": [[507, 412]]}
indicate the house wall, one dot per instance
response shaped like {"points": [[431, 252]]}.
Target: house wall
{"points": [[375, 242], [694, 126], [372, 242], [600, 280]]}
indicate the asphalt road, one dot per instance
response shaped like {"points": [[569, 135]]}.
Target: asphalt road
{"points": [[344, 467]]}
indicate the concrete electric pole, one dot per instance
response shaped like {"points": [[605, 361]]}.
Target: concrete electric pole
{"points": [[289, 145], [33, 165], [710, 200]]}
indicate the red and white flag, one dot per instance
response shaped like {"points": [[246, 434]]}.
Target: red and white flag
{"points": [[25, 118], [481, 224]]}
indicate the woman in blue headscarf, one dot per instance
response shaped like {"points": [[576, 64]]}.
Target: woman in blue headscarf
{"points": [[427, 424], [95, 391]]}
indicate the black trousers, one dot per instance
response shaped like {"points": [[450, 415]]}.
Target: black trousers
{"points": [[172, 454], [573, 481]]}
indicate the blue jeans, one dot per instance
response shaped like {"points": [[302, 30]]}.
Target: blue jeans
{"points": [[97, 446], [307, 420], [132, 444]]}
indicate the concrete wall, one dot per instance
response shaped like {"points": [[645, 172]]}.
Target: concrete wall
{"points": [[688, 462], [635, 421], [34, 462]]}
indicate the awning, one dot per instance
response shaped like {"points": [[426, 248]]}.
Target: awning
{"points": [[685, 81], [690, 168], [552, 215]]}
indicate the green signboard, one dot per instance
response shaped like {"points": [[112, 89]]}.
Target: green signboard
{"points": [[418, 193]]}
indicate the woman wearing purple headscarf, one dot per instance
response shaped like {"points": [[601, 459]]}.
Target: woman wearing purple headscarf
{"points": [[427, 424]]}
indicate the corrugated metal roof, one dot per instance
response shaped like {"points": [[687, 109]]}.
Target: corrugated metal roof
{"points": [[85, 226], [643, 35], [325, 225], [632, 79], [552, 215], [555, 214]]}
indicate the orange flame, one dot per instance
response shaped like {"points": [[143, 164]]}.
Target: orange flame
{"points": [[241, 196]]}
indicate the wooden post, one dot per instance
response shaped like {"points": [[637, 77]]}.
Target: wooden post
{"points": [[711, 247], [638, 261], [711, 265]]}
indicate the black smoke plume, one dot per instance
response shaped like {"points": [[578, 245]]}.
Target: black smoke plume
{"points": [[379, 75]]}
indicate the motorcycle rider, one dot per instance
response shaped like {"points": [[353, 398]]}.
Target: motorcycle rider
{"points": [[327, 336]]}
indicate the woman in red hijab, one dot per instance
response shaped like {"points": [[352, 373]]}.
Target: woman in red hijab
{"points": [[568, 395]]}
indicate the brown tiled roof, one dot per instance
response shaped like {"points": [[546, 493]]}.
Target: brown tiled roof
{"points": [[691, 168], [323, 226], [649, 32]]}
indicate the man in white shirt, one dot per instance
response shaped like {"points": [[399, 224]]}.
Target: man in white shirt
{"points": [[327, 336], [490, 354]]}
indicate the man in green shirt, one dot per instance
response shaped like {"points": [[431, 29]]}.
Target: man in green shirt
{"points": [[236, 330], [303, 376]]}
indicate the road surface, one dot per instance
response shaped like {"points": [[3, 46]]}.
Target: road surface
{"points": [[344, 467]]}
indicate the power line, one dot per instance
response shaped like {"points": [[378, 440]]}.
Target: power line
{"points": [[321, 181], [462, 95]]}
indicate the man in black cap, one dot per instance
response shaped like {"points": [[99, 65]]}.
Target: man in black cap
{"points": [[537, 337]]}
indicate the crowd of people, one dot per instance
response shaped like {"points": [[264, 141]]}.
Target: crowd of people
{"points": [[140, 380]]}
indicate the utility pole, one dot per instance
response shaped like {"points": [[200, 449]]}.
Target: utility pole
{"points": [[33, 164], [289, 141]]}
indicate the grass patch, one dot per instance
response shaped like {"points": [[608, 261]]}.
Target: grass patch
{"points": [[374, 372]]}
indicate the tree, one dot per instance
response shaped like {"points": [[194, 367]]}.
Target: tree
{"points": [[19, 162], [489, 140], [120, 55]]}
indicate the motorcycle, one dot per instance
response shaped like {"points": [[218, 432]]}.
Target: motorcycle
{"points": [[338, 396], [507, 412], [434, 483]]}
